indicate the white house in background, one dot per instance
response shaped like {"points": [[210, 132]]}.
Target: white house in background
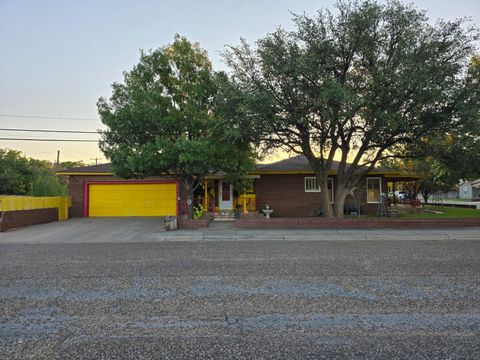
{"points": [[469, 190], [451, 194]]}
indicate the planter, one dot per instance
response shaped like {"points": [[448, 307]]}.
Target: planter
{"points": [[201, 223]]}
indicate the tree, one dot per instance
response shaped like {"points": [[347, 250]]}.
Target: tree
{"points": [[443, 159], [17, 172], [358, 86], [71, 164], [47, 184], [162, 120], [459, 148], [434, 176]]}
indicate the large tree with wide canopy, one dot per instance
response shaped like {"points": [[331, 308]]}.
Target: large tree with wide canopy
{"points": [[356, 85]]}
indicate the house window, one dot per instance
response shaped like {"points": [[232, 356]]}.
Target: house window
{"points": [[374, 189], [311, 185]]}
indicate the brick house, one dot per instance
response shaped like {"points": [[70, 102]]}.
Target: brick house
{"points": [[290, 188], [287, 186]]}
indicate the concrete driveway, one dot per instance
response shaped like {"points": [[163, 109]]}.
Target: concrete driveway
{"points": [[89, 230]]}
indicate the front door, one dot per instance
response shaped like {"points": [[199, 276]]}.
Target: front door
{"points": [[225, 194]]}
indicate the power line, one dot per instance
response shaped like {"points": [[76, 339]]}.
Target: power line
{"points": [[48, 117], [32, 139], [52, 131]]}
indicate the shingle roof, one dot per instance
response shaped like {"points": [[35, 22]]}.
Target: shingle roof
{"points": [[100, 168], [300, 163], [295, 163], [475, 183]]}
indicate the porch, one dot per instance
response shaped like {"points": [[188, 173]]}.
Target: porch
{"points": [[221, 198], [289, 196]]}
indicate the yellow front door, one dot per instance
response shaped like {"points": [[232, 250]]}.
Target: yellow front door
{"points": [[132, 199]]}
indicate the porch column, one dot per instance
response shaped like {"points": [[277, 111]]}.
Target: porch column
{"points": [[245, 203], [205, 200], [394, 196]]}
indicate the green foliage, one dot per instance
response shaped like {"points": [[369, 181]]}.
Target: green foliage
{"points": [[17, 172], [162, 120], [48, 184], [198, 211], [457, 149], [242, 185], [358, 84], [447, 213], [71, 164], [457, 154], [434, 176]]}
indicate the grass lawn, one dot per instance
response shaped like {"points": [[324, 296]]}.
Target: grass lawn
{"points": [[452, 200], [448, 213]]}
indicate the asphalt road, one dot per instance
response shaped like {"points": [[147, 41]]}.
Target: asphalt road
{"points": [[241, 300]]}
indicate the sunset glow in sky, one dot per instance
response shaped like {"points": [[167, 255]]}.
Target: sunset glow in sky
{"points": [[58, 57]]}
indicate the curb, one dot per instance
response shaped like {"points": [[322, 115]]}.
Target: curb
{"points": [[436, 237]]}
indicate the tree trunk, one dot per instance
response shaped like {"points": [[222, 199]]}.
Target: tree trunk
{"points": [[190, 201], [188, 187], [339, 204], [324, 198], [425, 197]]}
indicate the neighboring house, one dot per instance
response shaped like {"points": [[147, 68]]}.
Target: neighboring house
{"points": [[288, 186], [470, 190], [451, 194]]}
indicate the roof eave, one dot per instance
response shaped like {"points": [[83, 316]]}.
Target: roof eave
{"points": [[78, 173]]}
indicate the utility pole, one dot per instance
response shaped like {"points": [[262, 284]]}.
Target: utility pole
{"points": [[96, 160], [58, 158]]}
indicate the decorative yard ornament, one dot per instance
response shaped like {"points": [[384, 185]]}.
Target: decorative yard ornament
{"points": [[382, 205]]}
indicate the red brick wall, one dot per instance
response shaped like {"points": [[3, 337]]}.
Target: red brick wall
{"points": [[355, 223], [283, 193], [194, 224], [76, 188], [21, 218], [286, 195]]}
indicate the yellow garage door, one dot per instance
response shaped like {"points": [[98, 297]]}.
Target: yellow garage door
{"points": [[132, 199]]}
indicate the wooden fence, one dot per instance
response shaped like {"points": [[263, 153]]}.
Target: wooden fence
{"points": [[16, 203]]}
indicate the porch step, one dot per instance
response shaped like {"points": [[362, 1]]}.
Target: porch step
{"points": [[223, 219], [224, 216], [392, 211]]}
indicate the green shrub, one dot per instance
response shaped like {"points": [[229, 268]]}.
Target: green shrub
{"points": [[198, 211], [48, 185]]}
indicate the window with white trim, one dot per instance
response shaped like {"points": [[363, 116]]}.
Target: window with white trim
{"points": [[311, 185], [374, 189]]}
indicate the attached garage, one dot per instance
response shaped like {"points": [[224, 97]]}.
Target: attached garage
{"points": [[130, 198]]}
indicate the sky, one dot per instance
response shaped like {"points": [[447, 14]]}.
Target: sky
{"points": [[58, 57]]}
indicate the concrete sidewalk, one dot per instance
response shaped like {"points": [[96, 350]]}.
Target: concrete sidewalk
{"points": [[226, 231], [147, 230]]}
